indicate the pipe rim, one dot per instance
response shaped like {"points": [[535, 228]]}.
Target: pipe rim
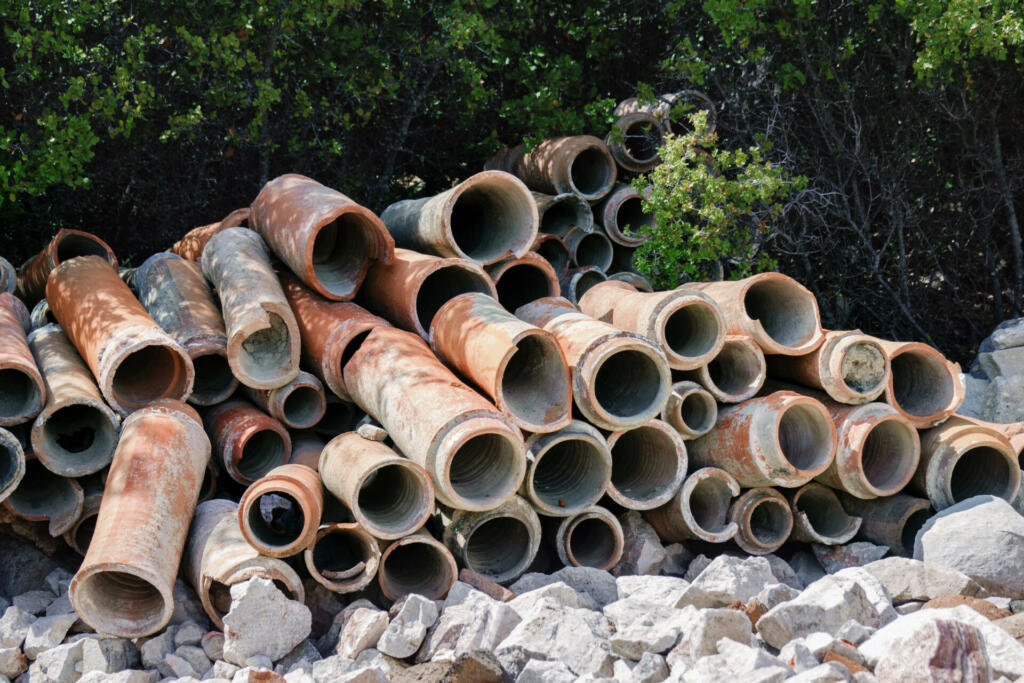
{"points": [[211, 385], [684, 500], [735, 350], [675, 410], [65, 462], [491, 182], [392, 590], [598, 455], [303, 499], [555, 404], [794, 415], [371, 562], [668, 317], [811, 527], [838, 370], [504, 483], [656, 496], [797, 331], [410, 522], [587, 374], [127, 345], [742, 512], [92, 611], [950, 394], [365, 226], [570, 524]]}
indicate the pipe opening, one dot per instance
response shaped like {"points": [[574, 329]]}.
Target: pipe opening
{"points": [[805, 436], [8, 461], [522, 283], [350, 349], [585, 281], [863, 367], [770, 522], [394, 499], [263, 354], [913, 524], [645, 464], [736, 369], [786, 312], [594, 249], [339, 417], [341, 554], [70, 245], [20, 395], [41, 492], [556, 253], [886, 457], [113, 599], [709, 504], [979, 471], [276, 519], [261, 452], [921, 384], [592, 542], [641, 141], [84, 531], [590, 171], [698, 411], [570, 475], [303, 406], [692, 331], [563, 214], [213, 380], [151, 373], [627, 384], [631, 219], [823, 511], [498, 547], [446, 283], [483, 469], [78, 437], [340, 252], [416, 568], [491, 217], [534, 384]]}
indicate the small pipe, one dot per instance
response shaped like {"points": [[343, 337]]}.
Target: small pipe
{"points": [[763, 520], [569, 470], [700, 510], [580, 164], [247, 442], [849, 366], [418, 564], [736, 374], [79, 536], [892, 521], [42, 496], [344, 558], [638, 281], [560, 212], [690, 409], [553, 250], [648, 465], [22, 392], [12, 463], [41, 315], [499, 544], [634, 141], [575, 283], [589, 248], [300, 404], [280, 512], [623, 218], [923, 386], [65, 245], [591, 538], [518, 281], [819, 517], [192, 244]]}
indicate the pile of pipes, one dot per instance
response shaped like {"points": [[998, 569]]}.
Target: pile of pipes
{"points": [[307, 388]]}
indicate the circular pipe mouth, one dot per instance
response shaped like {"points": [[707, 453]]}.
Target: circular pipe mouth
{"points": [[641, 141], [708, 504], [631, 221], [344, 558], [593, 541], [72, 244], [648, 466], [921, 383], [889, 456], [394, 500], [806, 437], [76, 439], [578, 282], [277, 522], [691, 333], [214, 380], [303, 406], [863, 368], [482, 471], [261, 451], [569, 476], [149, 373], [83, 531], [593, 249], [736, 373], [340, 252], [770, 522], [565, 212], [12, 462], [698, 411], [535, 386], [984, 470], [786, 311], [492, 215], [41, 494], [631, 384], [265, 355], [591, 172], [522, 283], [417, 565], [20, 396], [824, 512], [500, 548], [119, 600], [554, 252], [443, 284]]}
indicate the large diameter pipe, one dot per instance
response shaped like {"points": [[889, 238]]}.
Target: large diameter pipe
{"points": [[389, 496], [591, 538], [634, 141], [325, 238], [300, 404], [66, 245], [579, 164], [782, 439], [9, 276], [620, 379], [125, 583], [892, 521], [247, 442], [488, 217], [699, 510], [76, 432], [763, 520], [473, 452], [42, 496], [777, 311], [410, 290], [499, 544], [177, 296], [589, 248], [819, 517], [623, 217], [518, 365], [961, 459], [849, 366], [22, 392], [519, 281], [690, 409], [687, 325], [280, 512], [569, 470], [558, 213], [12, 463], [218, 557], [192, 244], [923, 385], [344, 558], [736, 373], [553, 250], [648, 465], [263, 338], [419, 564], [577, 281]]}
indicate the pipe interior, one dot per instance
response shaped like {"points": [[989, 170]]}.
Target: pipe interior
{"points": [[19, 395], [213, 381], [339, 553], [339, 417], [263, 354], [737, 369], [692, 330], [70, 245], [499, 547], [350, 349], [593, 542], [563, 214], [913, 524], [709, 504], [303, 406], [209, 483], [84, 531], [446, 283], [570, 475], [492, 217], [41, 492], [982, 470], [534, 385], [786, 311], [594, 249], [585, 281], [8, 460], [770, 522], [522, 283], [555, 253], [921, 383], [483, 468], [394, 499], [887, 455], [805, 436], [261, 452], [631, 219], [590, 171], [823, 510], [114, 598], [151, 373], [417, 568], [340, 252], [698, 411], [863, 367], [641, 141], [79, 437], [276, 519], [645, 463], [628, 384]]}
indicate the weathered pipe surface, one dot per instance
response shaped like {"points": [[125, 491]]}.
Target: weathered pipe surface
{"points": [[76, 433], [782, 439], [247, 442], [589, 248], [518, 365], [306, 449], [389, 496], [576, 281], [124, 585], [175, 293], [344, 558], [690, 409], [499, 544], [263, 337], [331, 331], [325, 238], [42, 496], [580, 164], [280, 512], [634, 141], [699, 510], [519, 281], [79, 535], [12, 463], [41, 316], [473, 452], [559, 213], [22, 392], [591, 538], [133, 360], [218, 557], [569, 470], [763, 520], [892, 521], [923, 385], [960, 459], [300, 404], [619, 379], [877, 450], [735, 374], [192, 244], [687, 325], [638, 281], [488, 217], [623, 218], [777, 311], [410, 290], [553, 250], [648, 465], [418, 563], [819, 517], [66, 245], [9, 276], [849, 366]]}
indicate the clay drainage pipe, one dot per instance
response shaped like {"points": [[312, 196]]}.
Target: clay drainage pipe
{"points": [[623, 218], [690, 409], [634, 141], [499, 544], [300, 404], [648, 465], [589, 248], [636, 279], [133, 360], [819, 517], [568, 471], [125, 583], [22, 392], [560, 212], [344, 558], [892, 521], [849, 366], [12, 463], [553, 250], [592, 538], [66, 245], [389, 496], [580, 164], [763, 520], [247, 442], [41, 316], [192, 244], [923, 386], [575, 283], [519, 281], [418, 564], [518, 365], [280, 512], [42, 496], [735, 374], [700, 509]]}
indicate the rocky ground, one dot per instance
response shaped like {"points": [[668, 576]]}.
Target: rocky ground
{"points": [[952, 614]]}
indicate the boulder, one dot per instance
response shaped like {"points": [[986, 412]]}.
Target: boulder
{"points": [[726, 579], [642, 551], [405, 633], [576, 637], [937, 650], [262, 621], [1004, 400], [906, 579], [477, 622], [834, 558]]}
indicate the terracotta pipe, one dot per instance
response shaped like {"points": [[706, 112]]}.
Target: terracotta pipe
{"points": [[620, 379], [79, 536], [133, 360], [389, 496], [518, 281], [819, 517], [735, 374], [306, 449], [699, 510], [923, 386], [76, 433], [300, 404], [686, 325], [575, 283], [634, 141], [66, 245], [589, 248], [9, 276], [635, 279], [263, 338], [690, 409], [218, 557], [12, 463], [418, 563], [892, 521], [519, 366], [499, 544], [174, 291], [569, 470], [192, 244], [22, 392], [247, 442], [344, 558], [579, 164], [623, 218], [280, 512], [591, 538], [42, 496], [560, 212], [763, 520], [849, 366], [473, 452], [648, 465], [339, 417], [553, 250], [782, 439], [125, 583], [41, 315]]}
